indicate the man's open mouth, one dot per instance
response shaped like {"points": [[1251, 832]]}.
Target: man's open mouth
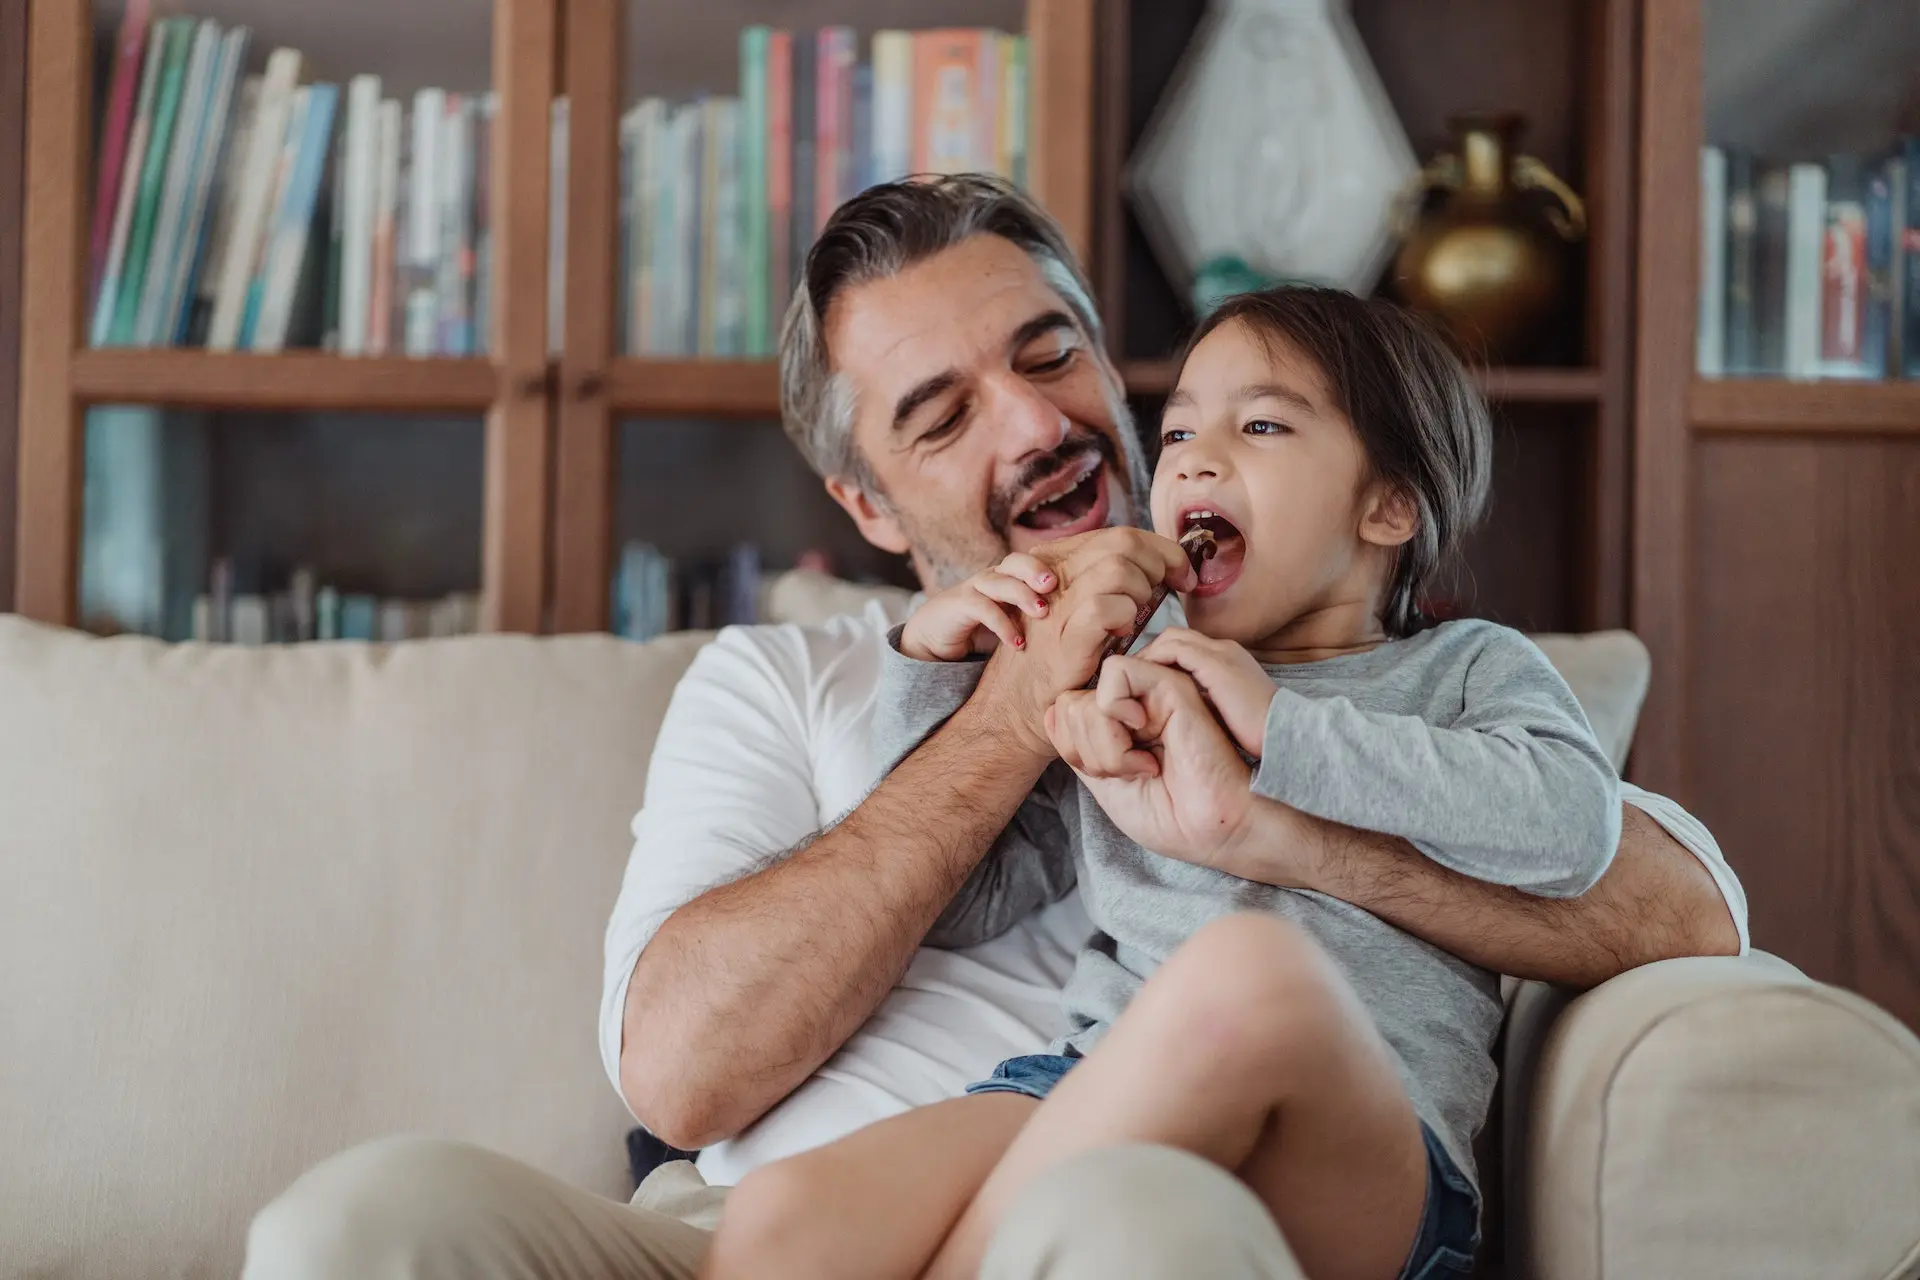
{"points": [[1219, 571], [1065, 500]]}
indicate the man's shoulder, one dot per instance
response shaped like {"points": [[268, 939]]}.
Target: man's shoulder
{"points": [[816, 663]]}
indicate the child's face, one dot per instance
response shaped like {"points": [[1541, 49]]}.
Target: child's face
{"points": [[1255, 439]]}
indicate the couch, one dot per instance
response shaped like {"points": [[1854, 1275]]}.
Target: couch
{"points": [[258, 905]]}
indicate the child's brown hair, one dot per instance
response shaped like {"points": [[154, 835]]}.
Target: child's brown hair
{"points": [[1422, 422]]}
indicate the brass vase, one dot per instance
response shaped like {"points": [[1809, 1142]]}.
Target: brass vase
{"points": [[1489, 261]]}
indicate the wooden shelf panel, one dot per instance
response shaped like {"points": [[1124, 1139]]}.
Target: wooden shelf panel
{"points": [[1775, 405], [694, 388], [1507, 386], [289, 380]]}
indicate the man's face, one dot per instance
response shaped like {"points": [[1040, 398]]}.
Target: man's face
{"points": [[983, 412]]}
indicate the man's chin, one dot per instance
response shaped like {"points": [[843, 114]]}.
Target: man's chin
{"points": [[1022, 537]]}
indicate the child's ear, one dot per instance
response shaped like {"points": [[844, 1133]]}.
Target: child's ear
{"points": [[876, 524], [1390, 518]]}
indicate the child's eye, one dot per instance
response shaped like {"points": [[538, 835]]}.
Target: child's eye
{"points": [[1267, 427], [1174, 435]]}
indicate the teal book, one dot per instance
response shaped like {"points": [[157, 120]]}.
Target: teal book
{"points": [[753, 188], [178, 35]]}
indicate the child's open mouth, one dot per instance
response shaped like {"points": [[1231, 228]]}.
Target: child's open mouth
{"points": [[1218, 572]]}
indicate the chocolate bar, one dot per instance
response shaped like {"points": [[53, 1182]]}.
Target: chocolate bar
{"points": [[1200, 546]]}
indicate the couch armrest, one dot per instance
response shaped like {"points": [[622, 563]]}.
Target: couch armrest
{"points": [[1710, 1117]]}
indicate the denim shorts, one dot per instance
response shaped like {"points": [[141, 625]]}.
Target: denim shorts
{"points": [[1449, 1233]]}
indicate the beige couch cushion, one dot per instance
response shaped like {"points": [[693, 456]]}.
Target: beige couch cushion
{"points": [[259, 905]]}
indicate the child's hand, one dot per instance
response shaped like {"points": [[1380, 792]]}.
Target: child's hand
{"points": [[1233, 681], [980, 613]]}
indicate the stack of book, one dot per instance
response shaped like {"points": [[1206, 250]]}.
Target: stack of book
{"points": [[652, 595], [304, 610], [721, 198], [255, 212], [1810, 270]]}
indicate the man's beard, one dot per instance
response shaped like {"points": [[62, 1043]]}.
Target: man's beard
{"points": [[946, 556]]}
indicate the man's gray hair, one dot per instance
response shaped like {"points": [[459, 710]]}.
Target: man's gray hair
{"points": [[879, 234]]}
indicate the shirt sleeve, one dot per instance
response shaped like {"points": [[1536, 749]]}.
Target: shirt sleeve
{"points": [[1693, 834], [1514, 791], [729, 789], [1031, 862]]}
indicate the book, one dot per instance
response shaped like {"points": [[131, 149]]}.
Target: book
{"points": [[1773, 192], [178, 36], [803, 122], [688, 199], [1843, 272], [359, 617], [946, 90], [729, 322], [257, 177], [1894, 173], [1013, 110], [754, 257], [144, 325], [420, 262], [892, 106], [224, 199], [1740, 254], [336, 225], [227, 111], [453, 286], [833, 120], [649, 141], [1806, 233], [1909, 277], [116, 124], [782, 267], [986, 104], [286, 157], [106, 297], [480, 197], [286, 253], [860, 149], [388, 124], [358, 181], [1710, 326], [712, 221]]}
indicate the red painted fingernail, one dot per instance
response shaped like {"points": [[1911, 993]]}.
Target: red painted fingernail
{"points": [[1019, 642]]}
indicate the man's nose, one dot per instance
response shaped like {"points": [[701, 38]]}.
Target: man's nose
{"points": [[1028, 422]]}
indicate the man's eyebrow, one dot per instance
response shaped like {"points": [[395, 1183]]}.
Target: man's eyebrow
{"points": [[927, 389], [1044, 323]]}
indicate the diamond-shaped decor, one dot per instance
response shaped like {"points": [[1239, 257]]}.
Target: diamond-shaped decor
{"points": [[1275, 144]]}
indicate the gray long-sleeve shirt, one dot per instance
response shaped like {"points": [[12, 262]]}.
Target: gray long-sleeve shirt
{"points": [[1463, 740]]}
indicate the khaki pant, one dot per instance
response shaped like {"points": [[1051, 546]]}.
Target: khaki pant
{"points": [[421, 1209]]}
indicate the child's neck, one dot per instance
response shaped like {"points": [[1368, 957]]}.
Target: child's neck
{"points": [[1331, 630]]}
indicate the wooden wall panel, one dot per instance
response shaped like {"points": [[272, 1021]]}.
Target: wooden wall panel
{"points": [[13, 142], [1803, 692]]}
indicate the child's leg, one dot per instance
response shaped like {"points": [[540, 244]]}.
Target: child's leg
{"points": [[876, 1203], [1249, 1049]]}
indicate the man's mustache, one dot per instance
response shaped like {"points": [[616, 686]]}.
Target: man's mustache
{"points": [[1001, 506]]}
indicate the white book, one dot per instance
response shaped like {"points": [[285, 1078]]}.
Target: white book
{"points": [[224, 117], [1710, 329], [559, 127], [1806, 235], [225, 196], [453, 277], [651, 122], [107, 299], [892, 119], [357, 183], [422, 256], [386, 231], [256, 324], [258, 180], [182, 156]]}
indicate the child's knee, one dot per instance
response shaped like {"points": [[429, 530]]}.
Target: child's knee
{"points": [[1253, 983], [766, 1225]]}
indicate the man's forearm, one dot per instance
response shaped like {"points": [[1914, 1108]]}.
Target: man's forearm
{"points": [[1655, 901], [750, 987]]}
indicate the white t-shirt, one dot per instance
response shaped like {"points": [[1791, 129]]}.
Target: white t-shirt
{"points": [[765, 742]]}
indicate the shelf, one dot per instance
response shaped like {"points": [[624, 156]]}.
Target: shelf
{"points": [[1775, 405], [288, 380], [1505, 386], [694, 388]]}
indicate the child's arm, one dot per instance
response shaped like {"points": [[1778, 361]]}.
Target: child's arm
{"points": [[1031, 863], [1515, 791]]}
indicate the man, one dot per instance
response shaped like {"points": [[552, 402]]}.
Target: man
{"points": [[766, 991]]}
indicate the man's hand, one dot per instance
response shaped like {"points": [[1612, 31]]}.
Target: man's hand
{"points": [[1105, 578], [1229, 676], [1146, 745], [980, 614]]}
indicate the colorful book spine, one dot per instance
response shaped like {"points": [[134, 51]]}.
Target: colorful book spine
{"points": [[649, 156], [390, 123], [197, 315], [1739, 259], [454, 278], [196, 86], [107, 296], [1013, 117], [860, 151], [117, 122], [420, 270], [712, 139], [946, 71], [224, 113], [1876, 339], [480, 323], [179, 37], [782, 268], [754, 258], [1710, 325], [336, 248], [892, 105], [288, 254], [689, 199], [730, 321], [256, 177], [806, 106], [286, 160], [357, 183]]}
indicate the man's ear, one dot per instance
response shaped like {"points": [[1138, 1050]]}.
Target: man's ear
{"points": [[875, 522], [1391, 516]]}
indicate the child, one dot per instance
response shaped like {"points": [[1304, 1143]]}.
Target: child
{"points": [[1337, 451]]}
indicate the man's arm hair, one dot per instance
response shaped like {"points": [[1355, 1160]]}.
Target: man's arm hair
{"points": [[748, 988], [1655, 902]]}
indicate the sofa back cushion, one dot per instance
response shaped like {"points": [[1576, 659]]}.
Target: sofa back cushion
{"points": [[257, 905]]}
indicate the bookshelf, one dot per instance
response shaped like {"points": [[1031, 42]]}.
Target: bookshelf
{"points": [[1775, 521]]}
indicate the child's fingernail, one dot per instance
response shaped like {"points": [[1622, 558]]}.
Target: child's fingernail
{"points": [[1019, 642]]}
